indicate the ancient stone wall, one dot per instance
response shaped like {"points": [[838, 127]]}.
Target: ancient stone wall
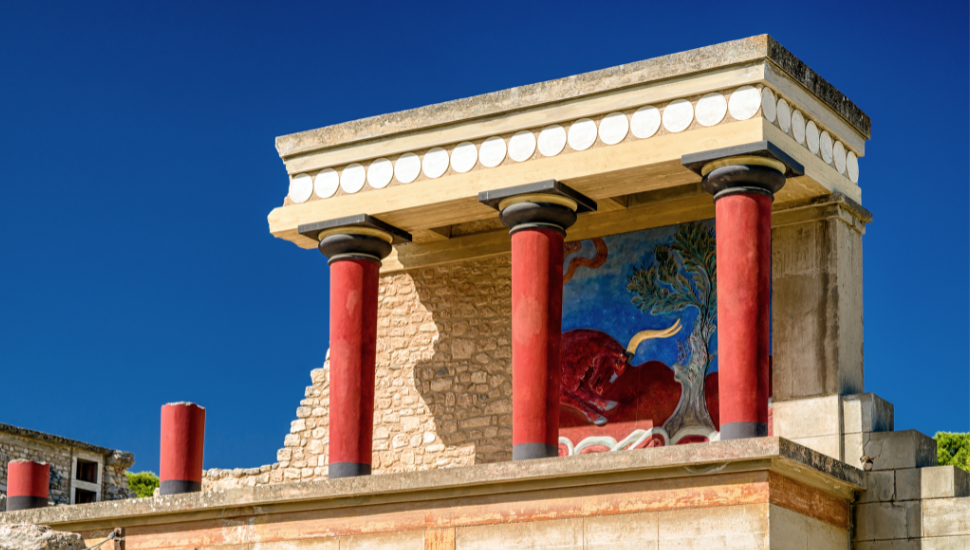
{"points": [[444, 385]]}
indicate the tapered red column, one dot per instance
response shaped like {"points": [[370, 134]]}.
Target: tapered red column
{"points": [[183, 440], [28, 484], [538, 216], [355, 247]]}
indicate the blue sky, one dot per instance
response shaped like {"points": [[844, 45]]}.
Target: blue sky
{"points": [[138, 167]]}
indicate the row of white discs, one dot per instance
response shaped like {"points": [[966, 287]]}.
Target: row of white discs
{"points": [[819, 143], [677, 116]]}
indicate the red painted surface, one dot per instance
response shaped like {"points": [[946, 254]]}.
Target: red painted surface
{"points": [[353, 348], [183, 438], [712, 398], [743, 295], [537, 257], [28, 479]]}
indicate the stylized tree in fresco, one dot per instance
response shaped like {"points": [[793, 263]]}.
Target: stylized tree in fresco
{"points": [[684, 275]]}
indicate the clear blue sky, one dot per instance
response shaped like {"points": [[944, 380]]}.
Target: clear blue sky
{"points": [[137, 168]]}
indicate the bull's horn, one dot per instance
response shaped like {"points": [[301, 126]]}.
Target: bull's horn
{"points": [[639, 337]]}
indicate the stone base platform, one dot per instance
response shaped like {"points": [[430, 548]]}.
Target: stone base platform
{"points": [[755, 493]]}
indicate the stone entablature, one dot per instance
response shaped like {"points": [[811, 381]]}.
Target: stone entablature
{"points": [[106, 466]]}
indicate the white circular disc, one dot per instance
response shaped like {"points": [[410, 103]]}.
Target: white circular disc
{"points": [[379, 173], [784, 116], [464, 157], [326, 183], [352, 178], [552, 139], [522, 146], [768, 104], [811, 137], [301, 187], [852, 167], [492, 153], [435, 163], [582, 134], [838, 154], [711, 109], [645, 122], [677, 115], [825, 146], [613, 128], [798, 127], [407, 168], [744, 102]]}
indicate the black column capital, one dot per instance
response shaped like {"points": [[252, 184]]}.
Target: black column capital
{"points": [[547, 204], [759, 167], [361, 237]]}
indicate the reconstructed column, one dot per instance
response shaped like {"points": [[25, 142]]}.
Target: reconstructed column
{"points": [[28, 484], [355, 247], [743, 186], [183, 439], [537, 216]]}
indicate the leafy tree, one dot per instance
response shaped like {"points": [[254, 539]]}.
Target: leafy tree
{"points": [[143, 483], [953, 449], [683, 275]]}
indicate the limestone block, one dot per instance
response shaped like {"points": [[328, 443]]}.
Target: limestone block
{"points": [[908, 484], [959, 542], [899, 450], [886, 520], [944, 517], [609, 532], [792, 530], [801, 418], [829, 445], [866, 412], [854, 448], [880, 487], [406, 540], [727, 527], [944, 482], [562, 534], [25, 536]]}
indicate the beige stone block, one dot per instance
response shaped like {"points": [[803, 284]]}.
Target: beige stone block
{"points": [[880, 487], [854, 448], [727, 527], [829, 445], [407, 540], [899, 450], [613, 532], [886, 520], [866, 412], [802, 418], [946, 517], [559, 534], [960, 542], [908, 484], [793, 531], [944, 482]]}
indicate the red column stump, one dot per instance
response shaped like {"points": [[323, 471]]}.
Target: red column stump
{"points": [[183, 439], [28, 484]]}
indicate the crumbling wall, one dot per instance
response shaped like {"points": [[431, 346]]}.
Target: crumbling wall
{"points": [[443, 381], [34, 537]]}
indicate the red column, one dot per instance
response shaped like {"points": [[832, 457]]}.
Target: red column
{"points": [[353, 349], [537, 255], [28, 484], [183, 439], [743, 295]]}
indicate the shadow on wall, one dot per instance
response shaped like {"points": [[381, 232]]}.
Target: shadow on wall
{"points": [[467, 383]]}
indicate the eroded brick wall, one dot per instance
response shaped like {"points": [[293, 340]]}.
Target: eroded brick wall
{"points": [[444, 385]]}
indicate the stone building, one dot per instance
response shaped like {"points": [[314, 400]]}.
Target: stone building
{"points": [[638, 365], [80, 472]]}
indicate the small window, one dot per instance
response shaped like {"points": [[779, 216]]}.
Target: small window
{"points": [[83, 497], [86, 471]]}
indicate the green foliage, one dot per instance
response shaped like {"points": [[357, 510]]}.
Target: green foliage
{"points": [[953, 449], [143, 483]]}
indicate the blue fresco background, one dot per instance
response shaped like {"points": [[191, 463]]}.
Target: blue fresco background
{"points": [[598, 298]]}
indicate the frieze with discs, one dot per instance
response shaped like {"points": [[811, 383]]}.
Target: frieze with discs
{"points": [[643, 122]]}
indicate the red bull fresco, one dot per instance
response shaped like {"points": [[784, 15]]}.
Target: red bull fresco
{"points": [[639, 348]]}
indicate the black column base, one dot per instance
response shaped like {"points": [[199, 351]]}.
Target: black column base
{"points": [[25, 503], [347, 469], [743, 430], [177, 487], [528, 451]]}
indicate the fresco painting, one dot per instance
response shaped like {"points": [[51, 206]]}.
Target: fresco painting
{"points": [[639, 348]]}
